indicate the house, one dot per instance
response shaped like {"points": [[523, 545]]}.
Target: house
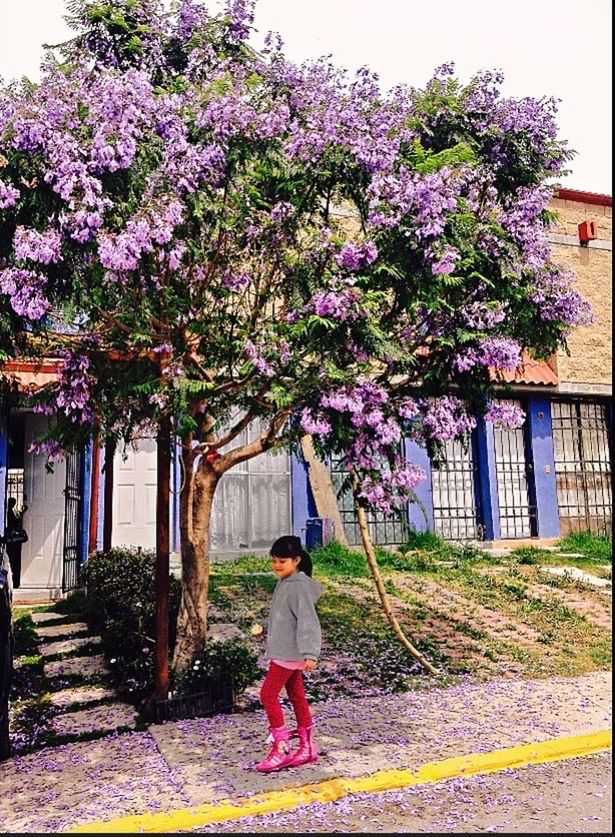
{"points": [[542, 481]]}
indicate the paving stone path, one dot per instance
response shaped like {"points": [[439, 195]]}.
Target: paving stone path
{"points": [[82, 703]]}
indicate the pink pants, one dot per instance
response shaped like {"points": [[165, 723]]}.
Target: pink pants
{"points": [[278, 677]]}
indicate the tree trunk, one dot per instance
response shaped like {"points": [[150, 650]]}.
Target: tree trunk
{"points": [[375, 571], [322, 489], [196, 501]]}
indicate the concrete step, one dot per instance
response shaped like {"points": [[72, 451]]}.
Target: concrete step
{"points": [[105, 718], [81, 695], [68, 630], [84, 666], [580, 575], [67, 646], [43, 616]]}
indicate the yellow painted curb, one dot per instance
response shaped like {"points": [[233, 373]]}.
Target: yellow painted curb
{"points": [[186, 819]]}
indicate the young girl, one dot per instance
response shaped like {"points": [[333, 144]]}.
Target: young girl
{"points": [[293, 646]]}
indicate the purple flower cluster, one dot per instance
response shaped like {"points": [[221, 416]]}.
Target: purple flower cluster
{"points": [[342, 303], [72, 394], [353, 257], [446, 418], [8, 195], [497, 352], [26, 290], [505, 413], [260, 362], [31, 245], [557, 299]]}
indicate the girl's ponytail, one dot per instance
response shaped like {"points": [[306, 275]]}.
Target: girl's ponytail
{"points": [[305, 564], [288, 546]]}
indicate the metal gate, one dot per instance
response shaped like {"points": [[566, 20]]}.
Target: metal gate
{"points": [[513, 468], [454, 493], [582, 446], [72, 517], [383, 529]]}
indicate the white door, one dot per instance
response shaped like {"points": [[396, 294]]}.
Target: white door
{"points": [[134, 495], [41, 556]]}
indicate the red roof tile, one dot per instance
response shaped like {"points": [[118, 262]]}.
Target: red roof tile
{"points": [[529, 371]]}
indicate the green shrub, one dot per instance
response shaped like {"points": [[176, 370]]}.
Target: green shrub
{"points": [[120, 606], [75, 603], [335, 559], [214, 663], [427, 541]]}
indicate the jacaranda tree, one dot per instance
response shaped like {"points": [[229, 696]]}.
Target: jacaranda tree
{"points": [[237, 238]]}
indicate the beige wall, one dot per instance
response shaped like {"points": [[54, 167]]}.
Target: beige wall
{"points": [[590, 346]]}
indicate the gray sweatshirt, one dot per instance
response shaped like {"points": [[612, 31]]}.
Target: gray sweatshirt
{"points": [[293, 629]]}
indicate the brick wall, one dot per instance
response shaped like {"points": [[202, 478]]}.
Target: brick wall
{"points": [[591, 346]]}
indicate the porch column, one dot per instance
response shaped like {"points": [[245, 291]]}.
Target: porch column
{"points": [[4, 464], [420, 513], [176, 482], [487, 481], [541, 440]]}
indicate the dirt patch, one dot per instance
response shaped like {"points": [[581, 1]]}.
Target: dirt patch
{"points": [[459, 607], [438, 626], [595, 608]]}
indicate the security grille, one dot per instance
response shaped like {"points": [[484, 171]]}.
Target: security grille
{"points": [[582, 446], [383, 529], [72, 516], [14, 487], [454, 495], [513, 467]]}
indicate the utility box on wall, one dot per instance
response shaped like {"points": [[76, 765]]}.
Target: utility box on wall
{"points": [[587, 231], [318, 532]]}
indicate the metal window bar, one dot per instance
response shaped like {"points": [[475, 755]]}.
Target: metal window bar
{"points": [[513, 466], [384, 529], [72, 516], [582, 442], [15, 487], [456, 515]]}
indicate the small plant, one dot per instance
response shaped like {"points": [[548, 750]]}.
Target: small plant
{"points": [[528, 555], [598, 548], [217, 661]]}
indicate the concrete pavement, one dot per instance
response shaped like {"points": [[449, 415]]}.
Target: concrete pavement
{"points": [[145, 781]]}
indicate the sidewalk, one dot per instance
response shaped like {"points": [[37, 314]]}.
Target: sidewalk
{"points": [[183, 764]]}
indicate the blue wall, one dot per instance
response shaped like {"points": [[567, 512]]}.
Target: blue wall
{"points": [[541, 442], [420, 514], [303, 505], [86, 494], [487, 481]]}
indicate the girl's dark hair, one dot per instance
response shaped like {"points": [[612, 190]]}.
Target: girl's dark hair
{"points": [[288, 546]]}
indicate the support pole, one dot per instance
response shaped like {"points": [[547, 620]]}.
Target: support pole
{"points": [[161, 581], [108, 496]]}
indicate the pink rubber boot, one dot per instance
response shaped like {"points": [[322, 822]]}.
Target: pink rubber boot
{"points": [[279, 756], [307, 752]]}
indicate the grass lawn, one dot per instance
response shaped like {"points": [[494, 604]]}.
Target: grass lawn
{"points": [[469, 612]]}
